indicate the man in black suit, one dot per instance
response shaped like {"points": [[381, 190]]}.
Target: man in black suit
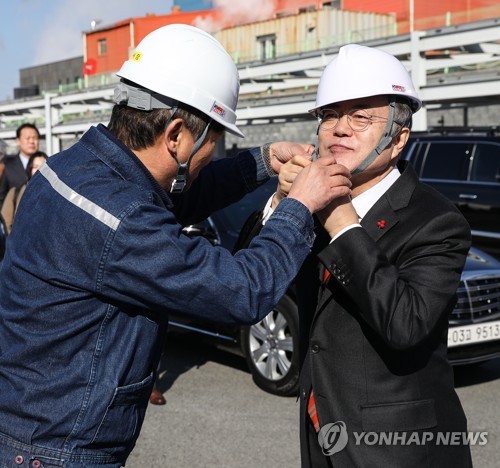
{"points": [[27, 139], [376, 387]]}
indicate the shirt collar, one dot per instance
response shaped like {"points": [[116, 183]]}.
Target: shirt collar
{"points": [[365, 201], [24, 159]]}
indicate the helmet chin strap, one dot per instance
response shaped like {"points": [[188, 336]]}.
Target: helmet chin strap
{"points": [[383, 142], [315, 153], [180, 181]]}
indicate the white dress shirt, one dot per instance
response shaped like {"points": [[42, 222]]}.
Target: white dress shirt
{"points": [[24, 159]]}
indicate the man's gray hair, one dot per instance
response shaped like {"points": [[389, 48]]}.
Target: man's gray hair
{"points": [[402, 113]]}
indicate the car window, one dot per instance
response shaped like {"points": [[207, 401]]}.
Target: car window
{"points": [[447, 160], [237, 213], [486, 163], [413, 152]]}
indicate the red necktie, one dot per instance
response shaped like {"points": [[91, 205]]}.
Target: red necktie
{"points": [[326, 275], [311, 409]]}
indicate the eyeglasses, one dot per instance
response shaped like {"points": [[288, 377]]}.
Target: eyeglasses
{"points": [[358, 119]]}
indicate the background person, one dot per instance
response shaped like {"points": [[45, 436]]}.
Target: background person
{"points": [[84, 307], [15, 194], [27, 139], [3, 228], [375, 296]]}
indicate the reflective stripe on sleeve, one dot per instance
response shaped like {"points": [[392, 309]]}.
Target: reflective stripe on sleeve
{"points": [[78, 200]]}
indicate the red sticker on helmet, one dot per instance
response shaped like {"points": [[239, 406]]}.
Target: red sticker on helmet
{"points": [[218, 109], [399, 88]]}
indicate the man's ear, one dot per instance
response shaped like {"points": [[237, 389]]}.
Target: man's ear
{"points": [[400, 141], [173, 135]]}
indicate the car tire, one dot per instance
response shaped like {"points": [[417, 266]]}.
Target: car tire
{"points": [[271, 349]]}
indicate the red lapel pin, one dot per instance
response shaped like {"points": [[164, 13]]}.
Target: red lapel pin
{"points": [[381, 224]]}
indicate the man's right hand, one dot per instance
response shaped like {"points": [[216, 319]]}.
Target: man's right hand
{"points": [[321, 182]]}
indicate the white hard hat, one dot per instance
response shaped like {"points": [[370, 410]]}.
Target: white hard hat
{"points": [[358, 72], [187, 64]]}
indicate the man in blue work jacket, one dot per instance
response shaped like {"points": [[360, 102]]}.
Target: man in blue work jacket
{"points": [[97, 259]]}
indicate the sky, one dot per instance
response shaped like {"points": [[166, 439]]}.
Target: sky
{"points": [[35, 32]]}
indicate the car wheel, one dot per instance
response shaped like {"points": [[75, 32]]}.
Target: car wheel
{"points": [[271, 349]]}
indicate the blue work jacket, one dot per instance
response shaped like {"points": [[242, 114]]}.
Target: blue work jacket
{"points": [[95, 263]]}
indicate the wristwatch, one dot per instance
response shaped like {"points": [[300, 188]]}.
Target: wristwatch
{"points": [[265, 151]]}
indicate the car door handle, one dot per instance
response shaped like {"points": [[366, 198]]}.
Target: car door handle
{"points": [[467, 196]]}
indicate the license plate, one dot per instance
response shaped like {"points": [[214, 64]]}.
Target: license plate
{"points": [[477, 333]]}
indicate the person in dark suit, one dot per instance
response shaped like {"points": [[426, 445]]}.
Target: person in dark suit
{"points": [[27, 139], [376, 387]]}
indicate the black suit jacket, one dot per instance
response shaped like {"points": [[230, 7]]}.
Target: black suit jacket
{"points": [[14, 175], [374, 340]]}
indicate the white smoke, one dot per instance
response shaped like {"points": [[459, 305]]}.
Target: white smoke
{"points": [[245, 10], [234, 12]]}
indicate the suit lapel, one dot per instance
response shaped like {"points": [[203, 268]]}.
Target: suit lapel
{"points": [[380, 219], [383, 216]]}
